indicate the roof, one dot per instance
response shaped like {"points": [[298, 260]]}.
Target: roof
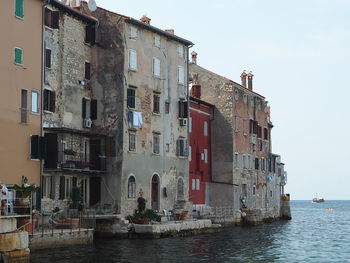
{"points": [[159, 31], [201, 102], [72, 11], [229, 80]]}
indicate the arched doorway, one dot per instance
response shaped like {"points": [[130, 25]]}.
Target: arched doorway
{"points": [[155, 192]]}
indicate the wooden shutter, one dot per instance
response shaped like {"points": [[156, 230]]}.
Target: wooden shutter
{"points": [[52, 100], [19, 10], [83, 110], [87, 70], [93, 35], [43, 147], [180, 109], [55, 19], [87, 34], [185, 109], [93, 109], [34, 147], [52, 187], [178, 147], [48, 58], [18, 55], [47, 17]]}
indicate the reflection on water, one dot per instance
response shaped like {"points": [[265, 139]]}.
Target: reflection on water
{"points": [[314, 235]]}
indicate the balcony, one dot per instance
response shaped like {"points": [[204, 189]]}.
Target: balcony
{"points": [[75, 152]]}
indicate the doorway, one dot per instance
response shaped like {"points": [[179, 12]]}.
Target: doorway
{"points": [[155, 192]]}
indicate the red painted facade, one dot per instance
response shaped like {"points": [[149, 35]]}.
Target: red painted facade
{"points": [[200, 149]]}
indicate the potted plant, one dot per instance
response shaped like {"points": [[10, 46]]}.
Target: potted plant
{"points": [[142, 215], [23, 193]]}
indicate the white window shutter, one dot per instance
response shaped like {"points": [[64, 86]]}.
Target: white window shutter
{"points": [[156, 67], [197, 184], [205, 155], [193, 184], [132, 59], [180, 75], [189, 153], [205, 128]]}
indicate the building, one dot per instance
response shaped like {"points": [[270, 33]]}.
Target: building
{"points": [[75, 158], [20, 100], [243, 167], [142, 71], [201, 116]]}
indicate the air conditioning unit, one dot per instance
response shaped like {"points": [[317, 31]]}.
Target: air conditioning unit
{"points": [[87, 123], [183, 122]]}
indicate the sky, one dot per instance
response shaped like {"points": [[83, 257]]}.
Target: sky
{"points": [[299, 52]]}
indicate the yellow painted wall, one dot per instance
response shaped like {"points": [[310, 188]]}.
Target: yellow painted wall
{"points": [[25, 33]]}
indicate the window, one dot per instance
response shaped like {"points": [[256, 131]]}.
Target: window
{"points": [[157, 40], [236, 94], [249, 162], [254, 189], [93, 109], [193, 184], [132, 60], [156, 103], [251, 101], [236, 162], [133, 32], [260, 145], [48, 187], [183, 109], [131, 187], [180, 51], [156, 67], [190, 124], [48, 58], [156, 141], [24, 102], [19, 8], [167, 107], [266, 135], [205, 155], [132, 141], [62, 188], [180, 75], [90, 34], [189, 153], [270, 193], [49, 100], [245, 166], [198, 184], [131, 98], [262, 164], [205, 128], [245, 98], [86, 108], [256, 163], [51, 18], [180, 189], [18, 56], [35, 102], [37, 147], [181, 147], [87, 70]]}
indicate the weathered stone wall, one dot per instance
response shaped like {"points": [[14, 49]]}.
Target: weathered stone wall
{"points": [[113, 74]]}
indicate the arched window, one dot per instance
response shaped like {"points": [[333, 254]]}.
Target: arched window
{"points": [[180, 189], [131, 187]]}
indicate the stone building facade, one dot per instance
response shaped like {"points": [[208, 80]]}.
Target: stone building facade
{"points": [[75, 158], [244, 169], [141, 75]]}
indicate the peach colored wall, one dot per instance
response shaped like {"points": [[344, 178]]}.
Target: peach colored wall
{"points": [[15, 137]]}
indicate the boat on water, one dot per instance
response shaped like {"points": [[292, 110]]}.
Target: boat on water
{"points": [[317, 200]]}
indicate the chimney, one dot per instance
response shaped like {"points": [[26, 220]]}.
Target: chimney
{"points": [[170, 31], [250, 80], [194, 57], [244, 78], [145, 20], [196, 87], [72, 3]]}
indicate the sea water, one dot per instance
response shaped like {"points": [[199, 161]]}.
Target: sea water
{"points": [[318, 232]]}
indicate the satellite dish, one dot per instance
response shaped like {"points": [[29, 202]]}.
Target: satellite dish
{"points": [[92, 5]]}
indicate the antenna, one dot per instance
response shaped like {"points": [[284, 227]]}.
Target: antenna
{"points": [[92, 5]]}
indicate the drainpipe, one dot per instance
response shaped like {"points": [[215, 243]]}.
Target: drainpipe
{"points": [[45, 4], [188, 116]]}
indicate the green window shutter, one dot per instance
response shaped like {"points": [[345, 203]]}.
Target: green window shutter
{"points": [[19, 9], [18, 56]]}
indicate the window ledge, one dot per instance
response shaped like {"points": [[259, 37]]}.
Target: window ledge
{"points": [[182, 157], [20, 18], [132, 152], [132, 70], [47, 111], [35, 113], [155, 114]]}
